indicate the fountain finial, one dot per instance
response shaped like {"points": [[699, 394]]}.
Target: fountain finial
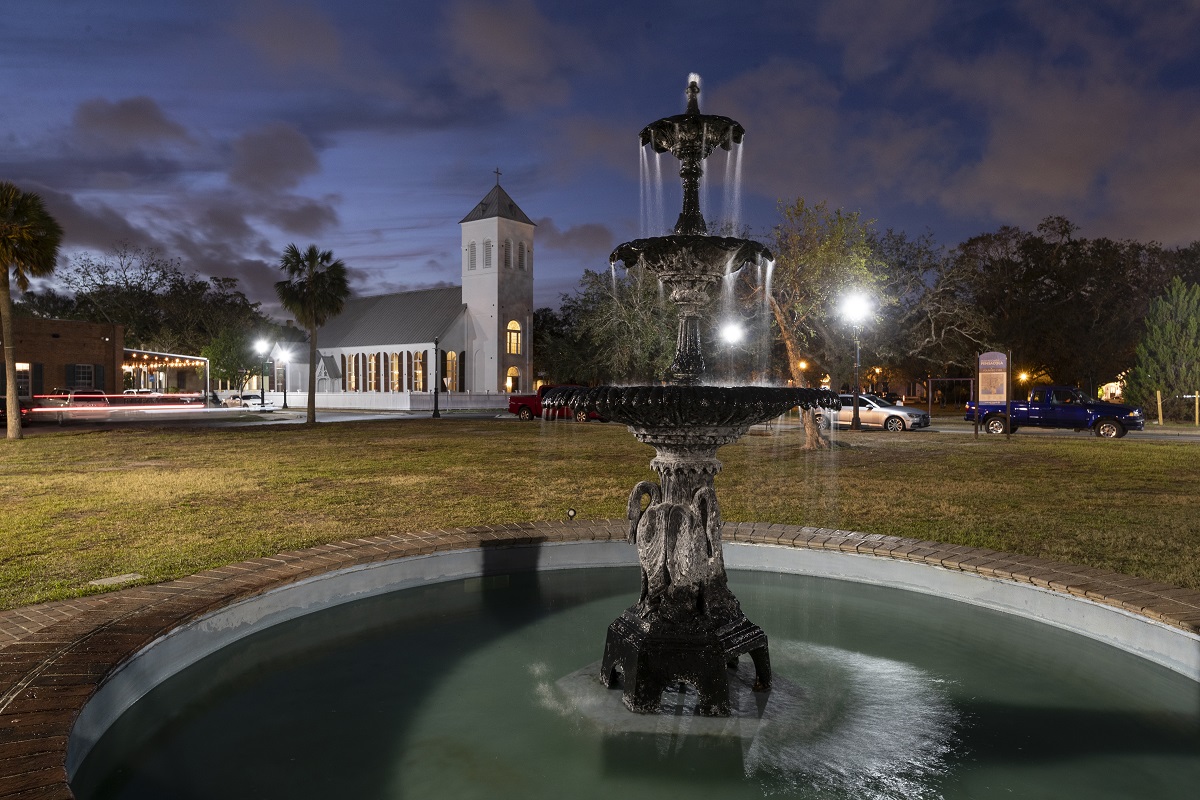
{"points": [[693, 94]]}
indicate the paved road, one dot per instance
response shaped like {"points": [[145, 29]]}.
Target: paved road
{"points": [[233, 417]]}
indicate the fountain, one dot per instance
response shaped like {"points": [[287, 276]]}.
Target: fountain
{"points": [[686, 627]]}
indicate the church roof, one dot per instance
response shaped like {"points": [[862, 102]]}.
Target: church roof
{"points": [[387, 319], [497, 204]]}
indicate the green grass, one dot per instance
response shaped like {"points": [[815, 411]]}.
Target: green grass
{"points": [[165, 503]]}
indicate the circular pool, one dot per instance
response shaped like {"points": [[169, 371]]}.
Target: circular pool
{"points": [[487, 687]]}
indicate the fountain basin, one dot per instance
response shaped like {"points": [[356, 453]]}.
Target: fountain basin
{"points": [[899, 707]]}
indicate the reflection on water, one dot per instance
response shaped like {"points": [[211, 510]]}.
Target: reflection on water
{"points": [[486, 688]]}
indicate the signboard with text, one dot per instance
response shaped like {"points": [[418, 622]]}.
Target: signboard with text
{"points": [[993, 378]]}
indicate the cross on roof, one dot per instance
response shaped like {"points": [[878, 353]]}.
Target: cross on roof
{"points": [[497, 176]]}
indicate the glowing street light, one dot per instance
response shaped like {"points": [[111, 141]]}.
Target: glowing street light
{"points": [[263, 347], [732, 332], [855, 310]]}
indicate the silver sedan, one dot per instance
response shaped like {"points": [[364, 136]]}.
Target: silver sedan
{"points": [[874, 413]]}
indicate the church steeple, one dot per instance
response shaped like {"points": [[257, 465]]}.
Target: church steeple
{"points": [[497, 203], [497, 280]]}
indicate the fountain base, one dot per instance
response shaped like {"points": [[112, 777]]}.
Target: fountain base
{"points": [[651, 657]]}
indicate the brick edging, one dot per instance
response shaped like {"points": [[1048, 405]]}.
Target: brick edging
{"points": [[53, 656]]}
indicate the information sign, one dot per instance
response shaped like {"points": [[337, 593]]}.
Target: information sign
{"points": [[993, 378]]}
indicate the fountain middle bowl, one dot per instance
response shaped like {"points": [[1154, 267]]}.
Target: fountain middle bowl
{"points": [[700, 406]]}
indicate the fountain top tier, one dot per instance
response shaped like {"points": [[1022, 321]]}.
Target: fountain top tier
{"points": [[690, 262], [691, 137]]}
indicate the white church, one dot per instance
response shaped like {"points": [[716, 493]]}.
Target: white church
{"points": [[389, 351]]}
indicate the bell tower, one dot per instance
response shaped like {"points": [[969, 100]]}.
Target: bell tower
{"points": [[497, 289]]}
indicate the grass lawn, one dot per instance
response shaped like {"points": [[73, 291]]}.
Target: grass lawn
{"points": [[87, 504]]}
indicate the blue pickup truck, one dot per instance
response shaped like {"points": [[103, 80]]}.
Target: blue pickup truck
{"points": [[1059, 407]]}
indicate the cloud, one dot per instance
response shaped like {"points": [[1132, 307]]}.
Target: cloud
{"points": [[585, 240], [873, 35], [134, 122], [510, 50], [272, 158], [90, 224], [291, 36]]}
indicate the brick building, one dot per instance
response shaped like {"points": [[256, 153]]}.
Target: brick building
{"points": [[59, 354]]}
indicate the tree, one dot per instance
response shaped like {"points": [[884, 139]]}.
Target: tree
{"points": [[230, 357], [29, 241], [1067, 307], [1167, 359], [616, 328], [316, 289], [124, 288], [932, 324], [160, 306], [820, 255]]}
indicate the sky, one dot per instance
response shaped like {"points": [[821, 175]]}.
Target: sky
{"points": [[220, 131]]}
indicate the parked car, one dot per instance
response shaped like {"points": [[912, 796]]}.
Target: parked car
{"points": [[250, 402], [25, 408], [529, 406], [874, 413], [1059, 407], [73, 404]]}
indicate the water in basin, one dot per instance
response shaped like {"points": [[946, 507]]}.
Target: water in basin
{"points": [[488, 688]]}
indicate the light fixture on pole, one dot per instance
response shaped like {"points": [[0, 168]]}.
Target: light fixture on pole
{"points": [[263, 347], [855, 309], [436, 378], [284, 355]]}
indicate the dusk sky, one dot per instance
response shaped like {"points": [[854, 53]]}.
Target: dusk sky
{"points": [[220, 131]]}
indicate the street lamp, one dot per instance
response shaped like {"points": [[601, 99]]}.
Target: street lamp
{"points": [[263, 347], [284, 355], [855, 309], [803, 369], [436, 378]]}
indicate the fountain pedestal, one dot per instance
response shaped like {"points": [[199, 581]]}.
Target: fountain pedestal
{"points": [[686, 627]]}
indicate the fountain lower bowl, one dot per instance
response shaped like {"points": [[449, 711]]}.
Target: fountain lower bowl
{"points": [[657, 407]]}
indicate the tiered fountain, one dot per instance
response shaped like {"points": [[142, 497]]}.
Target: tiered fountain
{"points": [[687, 626]]}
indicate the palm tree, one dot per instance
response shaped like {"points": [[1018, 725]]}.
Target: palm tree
{"points": [[29, 239], [315, 290]]}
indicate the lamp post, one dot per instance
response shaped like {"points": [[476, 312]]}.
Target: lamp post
{"points": [[284, 356], [436, 378], [263, 348], [855, 309]]}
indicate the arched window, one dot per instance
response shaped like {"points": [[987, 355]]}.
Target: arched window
{"points": [[513, 342], [450, 371], [372, 373], [512, 383], [395, 370], [487, 253], [419, 372], [508, 253], [471, 256], [521, 256], [352, 373]]}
